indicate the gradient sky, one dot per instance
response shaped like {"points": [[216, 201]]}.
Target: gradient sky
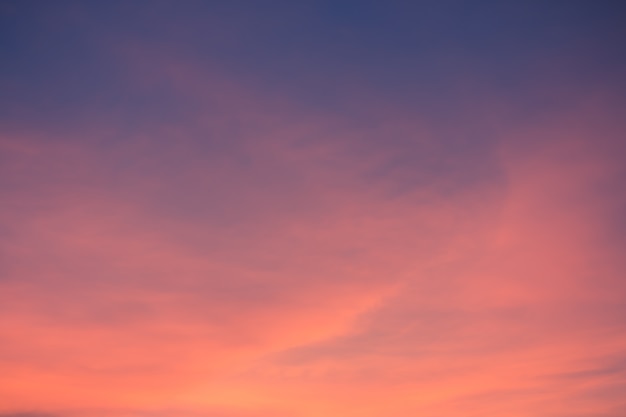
{"points": [[312, 208]]}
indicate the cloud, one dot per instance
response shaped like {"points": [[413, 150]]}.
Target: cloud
{"points": [[254, 256], [27, 414]]}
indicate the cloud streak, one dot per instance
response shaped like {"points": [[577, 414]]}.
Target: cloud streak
{"points": [[251, 254]]}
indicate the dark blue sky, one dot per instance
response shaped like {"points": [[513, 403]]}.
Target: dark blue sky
{"points": [[58, 56]]}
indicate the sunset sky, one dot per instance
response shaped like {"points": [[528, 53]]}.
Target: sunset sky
{"points": [[312, 208]]}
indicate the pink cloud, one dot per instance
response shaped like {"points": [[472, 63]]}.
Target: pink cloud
{"points": [[282, 273]]}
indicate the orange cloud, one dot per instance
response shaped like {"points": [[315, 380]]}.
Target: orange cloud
{"points": [[302, 270]]}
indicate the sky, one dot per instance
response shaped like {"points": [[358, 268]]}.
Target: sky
{"points": [[312, 208]]}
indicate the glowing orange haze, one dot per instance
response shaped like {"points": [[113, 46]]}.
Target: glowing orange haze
{"points": [[279, 276]]}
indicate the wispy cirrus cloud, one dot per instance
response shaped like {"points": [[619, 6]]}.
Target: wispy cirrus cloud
{"points": [[208, 245]]}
